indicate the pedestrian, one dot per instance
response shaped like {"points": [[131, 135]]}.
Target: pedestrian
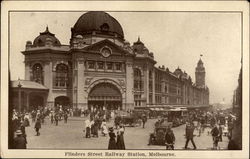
{"points": [[216, 136], [92, 127], [190, 134], [230, 128], [87, 128], [221, 132], [52, 117], [169, 139], [117, 121], [37, 127], [65, 117], [112, 142], [120, 138], [95, 128], [225, 130], [199, 129], [158, 123], [144, 120], [202, 124], [104, 128], [26, 120], [33, 116], [22, 128], [213, 121], [56, 118], [19, 141]]}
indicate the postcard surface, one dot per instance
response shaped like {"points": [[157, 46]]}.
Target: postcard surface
{"points": [[125, 79]]}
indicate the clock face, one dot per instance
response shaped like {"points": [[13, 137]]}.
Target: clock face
{"points": [[106, 52]]}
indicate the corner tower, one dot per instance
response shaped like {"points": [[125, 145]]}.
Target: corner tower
{"points": [[200, 74]]}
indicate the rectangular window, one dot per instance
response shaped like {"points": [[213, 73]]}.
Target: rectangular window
{"points": [[109, 65], [150, 99], [91, 64], [118, 66], [100, 65]]}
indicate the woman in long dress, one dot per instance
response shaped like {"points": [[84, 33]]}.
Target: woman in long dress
{"points": [[120, 139], [104, 128], [112, 142]]}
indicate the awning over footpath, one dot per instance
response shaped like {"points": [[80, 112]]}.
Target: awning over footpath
{"points": [[153, 107], [168, 109], [28, 85], [198, 106], [179, 109]]}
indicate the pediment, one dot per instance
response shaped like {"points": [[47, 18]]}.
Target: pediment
{"points": [[99, 46]]}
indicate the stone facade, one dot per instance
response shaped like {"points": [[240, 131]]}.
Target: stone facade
{"points": [[100, 68]]}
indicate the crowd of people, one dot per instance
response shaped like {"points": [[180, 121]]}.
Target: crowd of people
{"points": [[96, 121], [213, 123], [21, 120]]}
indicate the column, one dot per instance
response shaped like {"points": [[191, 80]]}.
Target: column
{"points": [[19, 99], [129, 85], [146, 87], [153, 81], [74, 82], [81, 101], [48, 82], [27, 101], [27, 70]]}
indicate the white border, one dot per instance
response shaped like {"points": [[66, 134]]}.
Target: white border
{"points": [[123, 6]]}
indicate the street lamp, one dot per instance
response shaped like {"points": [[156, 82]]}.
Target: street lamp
{"points": [[19, 95]]}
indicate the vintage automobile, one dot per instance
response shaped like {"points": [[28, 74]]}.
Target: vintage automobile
{"points": [[129, 120], [158, 136]]}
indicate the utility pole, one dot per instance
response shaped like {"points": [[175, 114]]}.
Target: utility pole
{"points": [[19, 95]]}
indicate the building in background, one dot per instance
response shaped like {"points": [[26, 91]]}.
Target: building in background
{"points": [[237, 111], [100, 69]]}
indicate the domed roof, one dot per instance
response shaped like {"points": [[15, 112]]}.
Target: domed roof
{"points": [[46, 35], [97, 21]]}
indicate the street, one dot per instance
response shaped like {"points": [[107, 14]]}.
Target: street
{"points": [[71, 136]]}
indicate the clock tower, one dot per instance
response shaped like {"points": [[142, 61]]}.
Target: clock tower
{"points": [[200, 74]]}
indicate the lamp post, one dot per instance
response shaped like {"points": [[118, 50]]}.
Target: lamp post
{"points": [[19, 95]]}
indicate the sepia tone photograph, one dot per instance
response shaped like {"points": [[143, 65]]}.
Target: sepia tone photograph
{"points": [[125, 80]]}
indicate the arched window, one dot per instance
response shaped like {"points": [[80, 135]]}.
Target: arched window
{"points": [[138, 83], [62, 76], [37, 72]]}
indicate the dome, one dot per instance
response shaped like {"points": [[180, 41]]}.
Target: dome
{"points": [[46, 35], [98, 22]]}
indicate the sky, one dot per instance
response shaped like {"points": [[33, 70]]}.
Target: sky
{"points": [[176, 38]]}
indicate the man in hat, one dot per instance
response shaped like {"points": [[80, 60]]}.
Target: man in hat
{"points": [[169, 138], [190, 134], [65, 116], [56, 118], [37, 127], [19, 141], [144, 120], [216, 136]]}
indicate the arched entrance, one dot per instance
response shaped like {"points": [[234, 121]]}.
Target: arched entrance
{"points": [[36, 101], [105, 96], [63, 101]]}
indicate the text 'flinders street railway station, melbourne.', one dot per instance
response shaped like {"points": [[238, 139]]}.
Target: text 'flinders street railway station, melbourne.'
{"points": [[99, 69]]}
